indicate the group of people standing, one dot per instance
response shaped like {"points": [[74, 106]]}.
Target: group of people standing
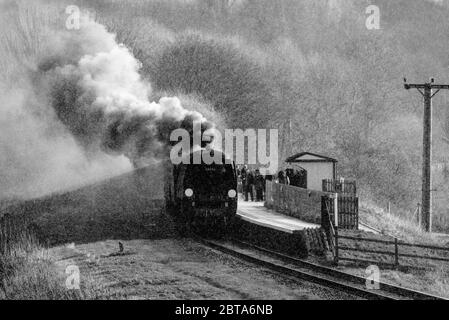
{"points": [[253, 183]]}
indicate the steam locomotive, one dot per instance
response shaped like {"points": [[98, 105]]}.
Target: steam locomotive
{"points": [[202, 197]]}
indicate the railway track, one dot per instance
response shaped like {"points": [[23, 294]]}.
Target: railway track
{"points": [[304, 270]]}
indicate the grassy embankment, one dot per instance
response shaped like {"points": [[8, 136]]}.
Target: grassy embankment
{"points": [[28, 272], [125, 207], [420, 274]]}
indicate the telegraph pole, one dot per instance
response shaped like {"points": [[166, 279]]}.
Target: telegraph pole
{"points": [[426, 90]]}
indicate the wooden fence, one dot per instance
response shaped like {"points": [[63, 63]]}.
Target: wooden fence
{"points": [[395, 245], [348, 211], [396, 251], [340, 186]]}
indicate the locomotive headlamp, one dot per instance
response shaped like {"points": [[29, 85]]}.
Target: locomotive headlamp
{"points": [[232, 193], [188, 192]]}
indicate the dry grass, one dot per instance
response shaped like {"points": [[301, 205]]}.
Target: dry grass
{"points": [[127, 206], [420, 274], [27, 272], [434, 280], [401, 226], [179, 269]]}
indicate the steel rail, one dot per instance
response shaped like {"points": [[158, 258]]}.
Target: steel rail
{"points": [[386, 287], [298, 274]]}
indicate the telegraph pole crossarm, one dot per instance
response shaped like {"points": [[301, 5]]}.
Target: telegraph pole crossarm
{"points": [[438, 87], [428, 94]]}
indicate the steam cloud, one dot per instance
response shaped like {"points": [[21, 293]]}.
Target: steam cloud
{"points": [[82, 114], [104, 102]]}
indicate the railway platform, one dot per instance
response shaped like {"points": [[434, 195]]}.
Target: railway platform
{"points": [[266, 228], [256, 213], [258, 224]]}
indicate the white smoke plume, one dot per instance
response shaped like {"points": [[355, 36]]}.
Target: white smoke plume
{"points": [[104, 101], [83, 114]]}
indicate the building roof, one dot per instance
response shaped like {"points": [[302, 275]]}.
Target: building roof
{"points": [[308, 157]]}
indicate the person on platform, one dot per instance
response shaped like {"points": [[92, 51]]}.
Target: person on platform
{"points": [[249, 186], [259, 183], [289, 173], [244, 179], [283, 178]]}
